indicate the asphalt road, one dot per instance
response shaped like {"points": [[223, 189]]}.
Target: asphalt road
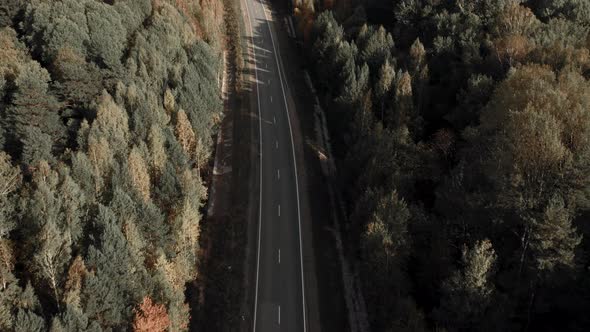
{"points": [[279, 298]]}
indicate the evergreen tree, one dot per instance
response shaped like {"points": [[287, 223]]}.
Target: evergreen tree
{"points": [[554, 238], [468, 292], [107, 36], [27, 321], [32, 106], [115, 275], [384, 86]]}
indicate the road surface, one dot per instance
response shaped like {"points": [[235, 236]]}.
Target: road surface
{"points": [[279, 303]]}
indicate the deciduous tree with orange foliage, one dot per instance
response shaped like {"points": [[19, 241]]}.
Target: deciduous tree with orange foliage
{"points": [[150, 317]]}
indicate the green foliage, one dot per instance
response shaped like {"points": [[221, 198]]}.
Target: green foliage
{"points": [[467, 293], [10, 177], [33, 112], [9, 9], [112, 277], [478, 121], [27, 321], [99, 201]]}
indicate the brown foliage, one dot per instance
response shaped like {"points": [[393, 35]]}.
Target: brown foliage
{"points": [[185, 134], [150, 317], [512, 48], [10, 55], [139, 174], [305, 14], [443, 140], [76, 274], [516, 19]]}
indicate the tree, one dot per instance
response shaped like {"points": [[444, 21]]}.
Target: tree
{"points": [[140, 177], [8, 11], [574, 10], [469, 291], [384, 85], [36, 146], [384, 247], [376, 48], [419, 70], [554, 238], [73, 319], [32, 106], [404, 113], [78, 82], [185, 134], [53, 256], [27, 321], [10, 182], [150, 317], [157, 149], [115, 275], [73, 284], [28, 299], [107, 36], [111, 124]]}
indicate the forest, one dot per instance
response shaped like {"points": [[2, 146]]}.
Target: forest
{"points": [[107, 109], [462, 137]]}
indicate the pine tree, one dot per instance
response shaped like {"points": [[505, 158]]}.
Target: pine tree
{"points": [[419, 71], [468, 292], [36, 147], [383, 87], [115, 275], [73, 319], [28, 299], [404, 113], [384, 248], [78, 83], [376, 49], [554, 238], [107, 36], [32, 106], [27, 321]]}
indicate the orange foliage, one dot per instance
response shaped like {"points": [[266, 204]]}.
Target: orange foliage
{"points": [[150, 317]]}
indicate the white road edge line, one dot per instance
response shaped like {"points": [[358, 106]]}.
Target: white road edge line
{"points": [[271, 99], [274, 119], [279, 314], [277, 144], [278, 174], [280, 69], [260, 168], [279, 210], [279, 256]]}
